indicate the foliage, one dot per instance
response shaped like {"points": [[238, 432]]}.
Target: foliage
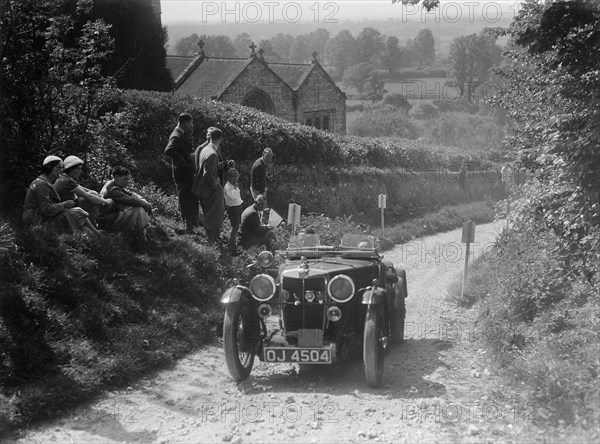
{"points": [[379, 123], [465, 131], [552, 94], [50, 77], [391, 58], [214, 45], [375, 87], [369, 46], [424, 47], [342, 51], [358, 76], [398, 101], [77, 315], [139, 58], [471, 58]]}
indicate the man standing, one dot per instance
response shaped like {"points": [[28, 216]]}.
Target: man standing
{"points": [[258, 174], [209, 188], [179, 149], [252, 232]]}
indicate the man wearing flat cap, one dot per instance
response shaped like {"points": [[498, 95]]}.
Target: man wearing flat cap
{"points": [[68, 188]]}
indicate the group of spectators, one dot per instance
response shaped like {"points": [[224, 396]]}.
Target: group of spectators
{"points": [[204, 179], [57, 200]]}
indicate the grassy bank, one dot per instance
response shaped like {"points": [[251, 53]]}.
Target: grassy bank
{"points": [[114, 310], [528, 289]]}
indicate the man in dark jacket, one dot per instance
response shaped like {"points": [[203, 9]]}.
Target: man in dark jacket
{"points": [[180, 150], [258, 174], [252, 232]]}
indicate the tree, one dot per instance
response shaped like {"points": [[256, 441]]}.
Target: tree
{"points": [[282, 45], [357, 76], [552, 94], [217, 46], [242, 44], [427, 4], [269, 53], [375, 87], [50, 76], [471, 58], [342, 51], [187, 46], [369, 45], [424, 47], [139, 57], [317, 41], [299, 52], [392, 56]]}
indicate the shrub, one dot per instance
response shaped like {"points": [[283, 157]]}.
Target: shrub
{"points": [[380, 123]]}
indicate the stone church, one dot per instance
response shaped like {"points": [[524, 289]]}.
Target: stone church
{"points": [[302, 93]]}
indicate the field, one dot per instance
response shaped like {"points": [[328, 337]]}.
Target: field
{"points": [[416, 90]]}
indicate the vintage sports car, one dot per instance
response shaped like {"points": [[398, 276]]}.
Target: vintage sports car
{"points": [[313, 304]]}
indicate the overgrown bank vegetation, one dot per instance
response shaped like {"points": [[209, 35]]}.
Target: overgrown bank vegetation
{"points": [[540, 286]]}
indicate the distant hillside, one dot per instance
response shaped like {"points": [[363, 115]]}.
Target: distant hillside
{"points": [[444, 32]]}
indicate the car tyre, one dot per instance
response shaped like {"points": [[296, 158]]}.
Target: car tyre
{"points": [[238, 344], [373, 352]]}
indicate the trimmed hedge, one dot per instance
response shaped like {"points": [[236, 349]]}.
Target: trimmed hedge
{"points": [[151, 116]]}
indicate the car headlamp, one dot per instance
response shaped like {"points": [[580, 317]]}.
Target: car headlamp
{"points": [[262, 287], [265, 259], [341, 288]]}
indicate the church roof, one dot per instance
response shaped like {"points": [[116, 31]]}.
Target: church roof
{"points": [[292, 74], [211, 76], [176, 64]]}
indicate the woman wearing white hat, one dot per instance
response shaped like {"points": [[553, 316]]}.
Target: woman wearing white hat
{"points": [[68, 188], [42, 202]]}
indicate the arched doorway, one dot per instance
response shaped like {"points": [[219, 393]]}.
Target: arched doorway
{"points": [[260, 100]]}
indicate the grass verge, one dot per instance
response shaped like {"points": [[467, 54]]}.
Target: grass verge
{"points": [[547, 316]]}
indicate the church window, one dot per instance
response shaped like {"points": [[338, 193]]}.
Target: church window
{"points": [[326, 123], [309, 121]]}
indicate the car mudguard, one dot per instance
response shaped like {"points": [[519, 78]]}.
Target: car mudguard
{"points": [[374, 296], [233, 294]]}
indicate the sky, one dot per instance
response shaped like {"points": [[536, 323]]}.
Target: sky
{"points": [[327, 12]]}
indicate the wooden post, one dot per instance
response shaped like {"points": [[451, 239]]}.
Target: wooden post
{"points": [[381, 201], [468, 236]]}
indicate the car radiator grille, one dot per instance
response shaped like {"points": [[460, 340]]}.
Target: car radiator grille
{"points": [[306, 315]]}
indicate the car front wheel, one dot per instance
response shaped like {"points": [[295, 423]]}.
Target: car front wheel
{"points": [[239, 335], [373, 351]]}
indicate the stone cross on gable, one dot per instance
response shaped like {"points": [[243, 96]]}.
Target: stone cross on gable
{"points": [[314, 56], [252, 49], [201, 45]]}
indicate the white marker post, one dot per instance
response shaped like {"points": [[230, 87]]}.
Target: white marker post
{"points": [[382, 204], [294, 216], [468, 236]]}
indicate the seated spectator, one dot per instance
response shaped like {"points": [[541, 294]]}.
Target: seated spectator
{"points": [[43, 204], [68, 188], [251, 230], [129, 212]]}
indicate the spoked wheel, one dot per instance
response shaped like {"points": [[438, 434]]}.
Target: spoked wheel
{"points": [[373, 344], [398, 309], [239, 337]]}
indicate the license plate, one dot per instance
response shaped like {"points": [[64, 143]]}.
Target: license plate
{"points": [[300, 355]]}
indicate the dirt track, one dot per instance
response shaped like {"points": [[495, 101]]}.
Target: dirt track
{"points": [[437, 385]]}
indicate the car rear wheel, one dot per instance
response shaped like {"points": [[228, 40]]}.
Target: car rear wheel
{"points": [[398, 309], [238, 339], [373, 352]]}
